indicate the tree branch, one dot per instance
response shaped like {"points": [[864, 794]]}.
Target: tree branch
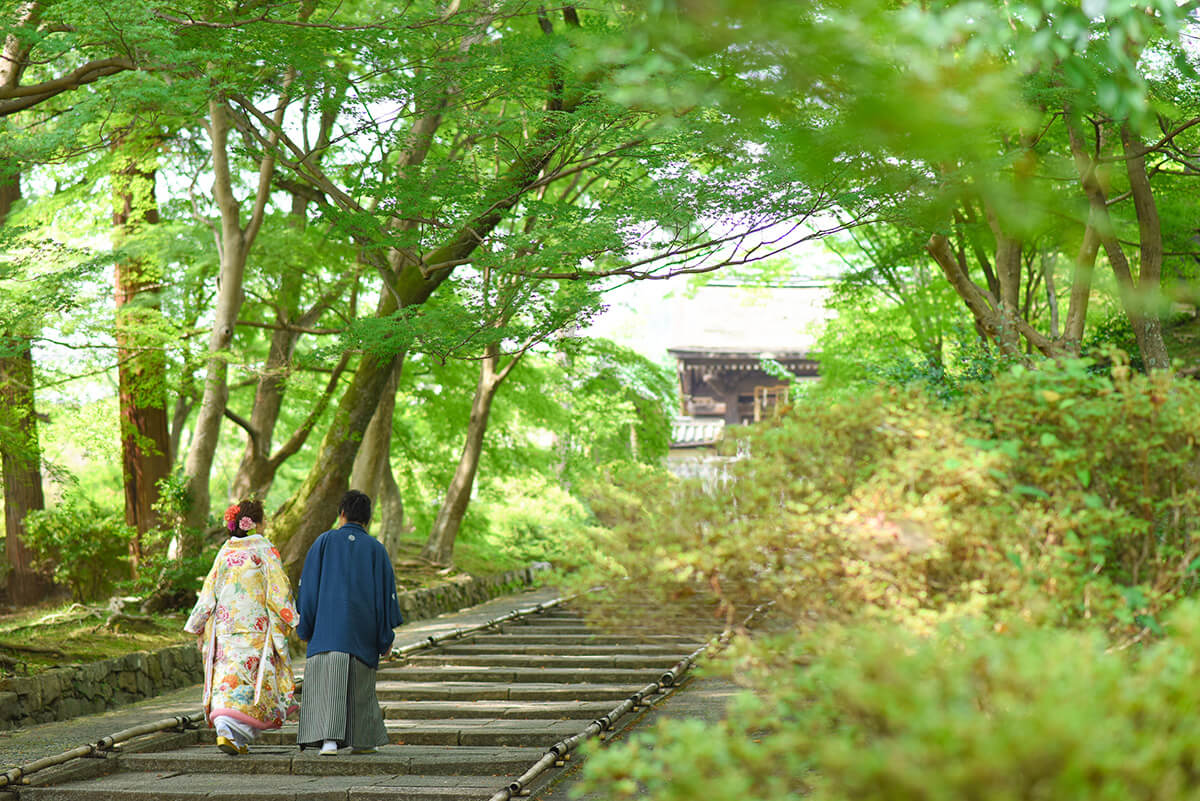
{"points": [[296, 441]]}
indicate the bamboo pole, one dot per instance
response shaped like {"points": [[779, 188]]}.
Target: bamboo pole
{"points": [[20, 773]]}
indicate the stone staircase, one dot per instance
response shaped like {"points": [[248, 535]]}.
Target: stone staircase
{"points": [[463, 720]]}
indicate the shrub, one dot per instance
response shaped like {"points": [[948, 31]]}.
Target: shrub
{"points": [[1108, 470], [874, 713], [1057, 495], [165, 581], [534, 520], [83, 546]]}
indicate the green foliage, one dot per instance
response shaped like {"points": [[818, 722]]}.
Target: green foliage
{"points": [[1108, 462], [956, 585], [531, 519], [84, 546], [561, 415], [163, 580], [166, 582], [898, 322], [877, 714], [1057, 495], [618, 406]]}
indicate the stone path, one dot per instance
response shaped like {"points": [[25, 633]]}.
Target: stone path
{"points": [[463, 721], [23, 745]]}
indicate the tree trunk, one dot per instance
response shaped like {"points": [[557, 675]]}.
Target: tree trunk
{"points": [[22, 473], [1147, 328], [439, 549], [142, 364], [1150, 247], [309, 511], [235, 242], [256, 473], [1008, 275], [313, 507], [373, 474], [1081, 290], [1003, 329], [21, 465]]}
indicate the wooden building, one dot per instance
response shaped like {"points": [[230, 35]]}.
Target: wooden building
{"points": [[730, 385]]}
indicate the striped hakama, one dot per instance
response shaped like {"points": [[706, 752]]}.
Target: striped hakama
{"points": [[338, 702]]}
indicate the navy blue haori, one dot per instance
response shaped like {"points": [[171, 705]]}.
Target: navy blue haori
{"points": [[347, 596]]}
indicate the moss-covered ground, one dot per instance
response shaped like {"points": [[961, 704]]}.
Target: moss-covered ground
{"points": [[61, 633]]}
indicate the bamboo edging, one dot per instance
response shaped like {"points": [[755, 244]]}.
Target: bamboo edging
{"points": [[558, 753], [20, 773]]}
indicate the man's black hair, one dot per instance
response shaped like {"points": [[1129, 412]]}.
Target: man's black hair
{"points": [[355, 507]]}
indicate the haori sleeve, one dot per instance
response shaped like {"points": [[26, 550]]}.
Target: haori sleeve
{"points": [[206, 601], [307, 594], [387, 603], [279, 590]]}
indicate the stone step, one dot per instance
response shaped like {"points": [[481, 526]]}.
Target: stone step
{"points": [[287, 759], [549, 661], [491, 691], [574, 649], [479, 731], [226, 786], [516, 638], [520, 710], [545, 629], [701, 629], [516, 675]]}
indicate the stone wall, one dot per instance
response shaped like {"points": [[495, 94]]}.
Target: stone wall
{"points": [[463, 591], [65, 692], [73, 690]]}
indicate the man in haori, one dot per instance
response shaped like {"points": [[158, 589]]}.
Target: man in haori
{"points": [[242, 617], [348, 608]]}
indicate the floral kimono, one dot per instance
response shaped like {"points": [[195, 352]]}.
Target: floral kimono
{"points": [[245, 611]]}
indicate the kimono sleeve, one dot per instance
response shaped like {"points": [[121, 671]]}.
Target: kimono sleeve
{"points": [[387, 604], [279, 589], [206, 601]]}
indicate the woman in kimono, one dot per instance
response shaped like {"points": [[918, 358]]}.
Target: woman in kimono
{"points": [[241, 620]]}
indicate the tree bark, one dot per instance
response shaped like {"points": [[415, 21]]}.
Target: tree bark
{"points": [[21, 465], [22, 472], [1002, 329], [1081, 290], [372, 471], [1049, 262], [235, 242], [141, 361], [439, 549], [1008, 275], [1147, 329], [313, 507], [1150, 251]]}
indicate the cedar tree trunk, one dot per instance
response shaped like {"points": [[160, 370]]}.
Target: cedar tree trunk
{"points": [[141, 362]]}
